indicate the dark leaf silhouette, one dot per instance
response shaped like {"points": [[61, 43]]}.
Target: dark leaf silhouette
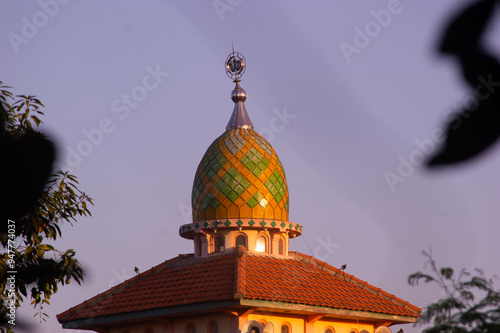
{"points": [[474, 128]]}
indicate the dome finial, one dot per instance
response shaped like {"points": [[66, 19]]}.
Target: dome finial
{"points": [[235, 67]]}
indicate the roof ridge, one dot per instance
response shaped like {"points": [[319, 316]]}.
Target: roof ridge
{"points": [[99, 298], [360, 283]]}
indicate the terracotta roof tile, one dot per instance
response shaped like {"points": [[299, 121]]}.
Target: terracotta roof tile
{"points": [[179, 281], [239, 274]]}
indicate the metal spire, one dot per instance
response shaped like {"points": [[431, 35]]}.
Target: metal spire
{"points": [[235, 67]]}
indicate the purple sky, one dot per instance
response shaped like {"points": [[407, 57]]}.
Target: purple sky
{"points": [[352, 117]]}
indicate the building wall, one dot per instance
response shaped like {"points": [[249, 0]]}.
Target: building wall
{"points": [[299, 325], [343, 327], [179, 325], [231, 324], [296, 324], [224, 322]]}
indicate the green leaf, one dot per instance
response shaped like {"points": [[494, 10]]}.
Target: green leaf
{"points": [[415, 278], [45, 247]]}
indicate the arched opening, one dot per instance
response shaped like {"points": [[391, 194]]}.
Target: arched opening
{"points": [[286, 328], [213, 327], [268, 328], [329, 329], [219, 244], [252, 326], [260, 245], [190, 328], [241, 240], [281, 245]]}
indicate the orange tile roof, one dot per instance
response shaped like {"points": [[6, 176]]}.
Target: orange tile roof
{"points": [[239, 274], [305, 280]]}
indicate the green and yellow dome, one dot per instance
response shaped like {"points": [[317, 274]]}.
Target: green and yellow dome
{"points": [[240, 176]]}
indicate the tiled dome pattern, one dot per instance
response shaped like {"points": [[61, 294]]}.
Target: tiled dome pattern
{"points": [[240, 176]]}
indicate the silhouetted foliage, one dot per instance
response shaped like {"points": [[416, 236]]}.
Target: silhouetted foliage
{"points": [[470, 303], [476, 127], [34, 204]]}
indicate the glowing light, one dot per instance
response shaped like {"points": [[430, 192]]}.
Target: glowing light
{"points": [[261, 244]]}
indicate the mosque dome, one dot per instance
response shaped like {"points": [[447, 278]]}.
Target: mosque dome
{"points": [[240, 176]]}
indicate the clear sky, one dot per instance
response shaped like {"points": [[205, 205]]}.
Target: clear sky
{"points": [[346, 91]]}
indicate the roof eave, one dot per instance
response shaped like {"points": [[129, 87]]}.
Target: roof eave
{"points": [[88, 323], [262, 305]]}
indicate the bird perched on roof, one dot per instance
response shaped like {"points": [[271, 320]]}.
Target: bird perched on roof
{"points": [[136, 270], [343, 267], [401, 331]]}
